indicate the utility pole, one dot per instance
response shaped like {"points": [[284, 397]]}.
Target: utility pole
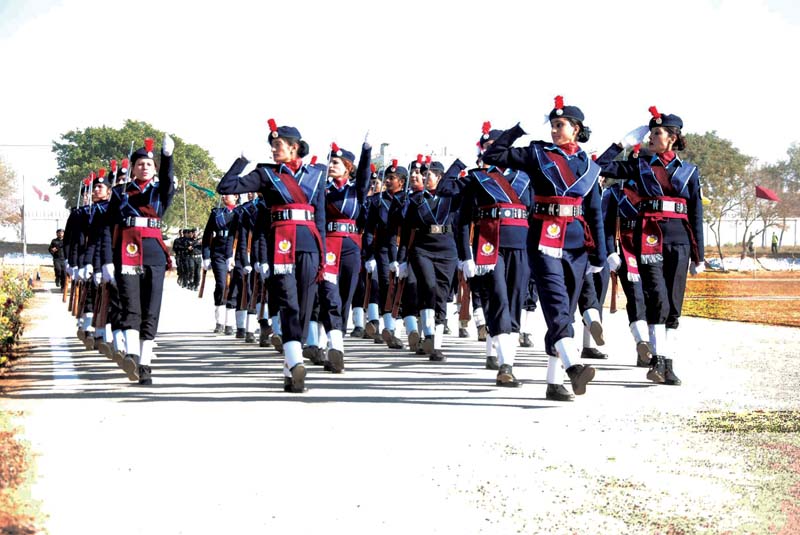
{"points": [[185, 218]]}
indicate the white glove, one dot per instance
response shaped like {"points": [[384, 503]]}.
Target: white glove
{"points": [[263, 270], [231, 264], [394, 267], [88, 271], [74, 273], [468, 268], [370, 265], [98, 278], [635, 136], [402, 270], [108, 273], [590, 269], [167, 145], [697, 267], [614, 261], [247, 269], [67, 268], [206, 264]]}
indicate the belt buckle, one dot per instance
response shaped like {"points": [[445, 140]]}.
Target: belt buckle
{"points": [[436, 229]]}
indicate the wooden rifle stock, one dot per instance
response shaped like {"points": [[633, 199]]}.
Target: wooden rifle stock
{"points": [[244, 301], [401, 285], [202, 284], [367, 288], [98, 299], [228, 274], [67, 279], [387, 306], [101, 313], [614, 285], [463, 287], [256, 293]]}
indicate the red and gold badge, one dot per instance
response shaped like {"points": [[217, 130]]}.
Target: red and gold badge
{"points": [[651, 239], [553, 230], [487, 249], [131, 249], [330, 258], [284, 246]]}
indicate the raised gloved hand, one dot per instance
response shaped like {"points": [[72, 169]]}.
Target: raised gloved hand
{"points": [[402, 270], [247, 269], [370, 265], [634, 137], [206, 264], [366, 145], [108, 273], [590, 269], [231, 264], [468, 268], [614, 261], [394, 267], [263, 270], [167, 145], [697, 267]]}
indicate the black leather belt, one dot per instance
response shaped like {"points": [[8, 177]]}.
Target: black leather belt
{"points": [[501, 213], [221, 233], [141, 222], [660, 205], [348, 228], [627, 224], [558, 210], [292, 214]]}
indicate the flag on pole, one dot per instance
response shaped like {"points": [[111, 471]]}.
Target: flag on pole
{"points": [[765, 193], [42, 196], [207, 191]]}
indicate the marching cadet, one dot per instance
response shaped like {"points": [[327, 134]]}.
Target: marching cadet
{"points": [[345, 195], [295, 195], [218, 257], [365, 307], [382, 220], [565, 226], [428, 247], [496, 201], [668, 238], [179, 248], [119, 179], [92, 261], [56, 249], [246, 257], [141, 257], [194, 259], [620, 209]]}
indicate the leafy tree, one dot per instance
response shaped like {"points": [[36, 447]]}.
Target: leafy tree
{"points": [[80, 152], [10, 215], [722, 167]]}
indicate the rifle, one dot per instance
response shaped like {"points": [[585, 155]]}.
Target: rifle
{"points": [[387, 306], [101, 311], [76, 300], [202, 284], [463, 288], [98, 299], [614, 283], [67, 279], [398, 295], [243, 300], [228, 274], [367, 288]]}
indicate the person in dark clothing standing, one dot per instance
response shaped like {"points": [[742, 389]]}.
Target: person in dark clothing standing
{"points": [[57, 250]]}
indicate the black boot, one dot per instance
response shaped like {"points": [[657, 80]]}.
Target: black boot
{"points": [[579, 376], [219, 329], [437, 356], [263, 339], [358, 332], [391, 340], [315, 354], [296, 384], [130, 365], [228, 329], [669, 375], [249, 338], [558, 393], [643, 354], [145, 375], [657, 369], [446, 328], [371, 329], [492, 364], [505, 377], [463, 332], [335, 362], [593, 353], [482, 331], [427, 345], [525, 340], [413, 341], [240, 333]]}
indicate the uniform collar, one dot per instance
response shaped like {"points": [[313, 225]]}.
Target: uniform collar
{"points": [[579, 153]]}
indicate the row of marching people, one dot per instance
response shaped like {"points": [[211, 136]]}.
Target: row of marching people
{"points": [[525, 213], [117, 258]]}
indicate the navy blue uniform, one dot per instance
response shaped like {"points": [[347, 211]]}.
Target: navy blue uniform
{"points": [[218, 247]]}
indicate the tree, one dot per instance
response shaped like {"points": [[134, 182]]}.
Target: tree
{"points": [[721, 168], [10, 214], [81, 151]]}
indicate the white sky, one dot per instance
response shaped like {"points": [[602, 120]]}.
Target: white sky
{"points": [[420, 75]]}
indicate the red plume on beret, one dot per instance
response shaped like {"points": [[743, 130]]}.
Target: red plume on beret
{"points": [[559, 102], [101, 172], [91, 175], [148, 144], [594, 157], [125, 163], [313, 159], [334, 147], [637, 147], [372, 167], [272, 126], [87, 181], [419, 158], [427, 159], [394, 163], [654, 112], [486, 127], [113, 166], [462, 173]]}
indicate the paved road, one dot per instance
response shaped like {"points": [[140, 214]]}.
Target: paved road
{"points": [[394, 445]]}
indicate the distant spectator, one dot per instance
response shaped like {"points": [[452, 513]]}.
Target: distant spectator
{"points": [[774, 243], [57, 250]]}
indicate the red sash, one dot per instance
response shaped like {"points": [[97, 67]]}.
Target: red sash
{"points": [[554, 228], [628, 254], [283, 259], [489, 235], [132, 257], [651, 251]]}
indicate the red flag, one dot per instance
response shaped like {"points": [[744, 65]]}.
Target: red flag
{"points": [[765, 193], [38, 192], [46, 197]]}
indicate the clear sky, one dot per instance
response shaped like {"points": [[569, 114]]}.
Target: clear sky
{"points": [[419, 75]]}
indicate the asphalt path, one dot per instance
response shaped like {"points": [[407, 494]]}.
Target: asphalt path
{"points": [[396, 444]]}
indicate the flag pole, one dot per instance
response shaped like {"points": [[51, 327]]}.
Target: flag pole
{"points": [[185, 218]]}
